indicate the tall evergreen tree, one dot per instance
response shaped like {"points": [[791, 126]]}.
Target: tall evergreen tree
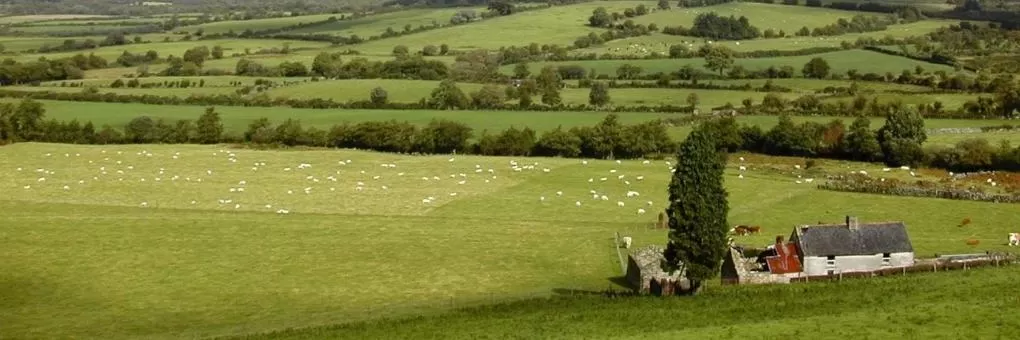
{"points": [[697, 210]]}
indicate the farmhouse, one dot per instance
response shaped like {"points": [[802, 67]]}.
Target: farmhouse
{"points": [[829, 249], [823, 249]]}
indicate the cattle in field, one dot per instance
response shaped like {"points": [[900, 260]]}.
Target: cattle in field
{"points": [[1014, 239]]}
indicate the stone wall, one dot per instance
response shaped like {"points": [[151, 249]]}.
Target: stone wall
{"points": [[645, 264]]}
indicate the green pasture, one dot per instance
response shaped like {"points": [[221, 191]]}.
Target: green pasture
{"points": [[995, 138], [175, 92], [93, 261], [945, 305], [17, 44], [556, 25], [239, 26], [177, 48], [376, 24], [98, 21], [764, 16], [236, 119], [210, 81], [229, 63], [19, 19], [840, 61], [98, 29], [660, 42], [812, 85], [930, 5], [950, 101]]}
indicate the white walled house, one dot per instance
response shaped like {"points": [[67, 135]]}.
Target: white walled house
{"points": [[831, 249]]}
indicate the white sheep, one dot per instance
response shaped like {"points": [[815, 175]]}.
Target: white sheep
{"points": [[626, 241], [619, 204], [640, 211]]}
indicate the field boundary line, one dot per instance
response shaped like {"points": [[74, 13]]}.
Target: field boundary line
{"points": [[619, 256]]}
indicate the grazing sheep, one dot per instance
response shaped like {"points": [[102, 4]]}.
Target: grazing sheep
{"points": [[625, 242], [619, 204], [640, 211], [577, 203], [743, 168]]}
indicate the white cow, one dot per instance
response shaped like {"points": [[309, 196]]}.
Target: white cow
{"points": [[1014, 239], [626, 242]]}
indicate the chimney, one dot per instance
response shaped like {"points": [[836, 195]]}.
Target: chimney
{"points": [[851, 222]]}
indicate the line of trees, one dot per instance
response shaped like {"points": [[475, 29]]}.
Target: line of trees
{"points": [[858, 24], [898, 142], [713, 26]]}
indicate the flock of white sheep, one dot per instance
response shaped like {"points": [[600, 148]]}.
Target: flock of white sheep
{"points": [[171, 179]]}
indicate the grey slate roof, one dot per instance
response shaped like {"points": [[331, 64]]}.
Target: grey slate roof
{"points": [[840, 240]]}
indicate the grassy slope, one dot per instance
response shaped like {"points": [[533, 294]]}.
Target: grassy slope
{"points": [[764, 16], [88, 262], [178, 48], [17, 19], [239, 26], [661, 42], [236, 119], [841, 61], [556, 25], [927, 306], [376, 24]]}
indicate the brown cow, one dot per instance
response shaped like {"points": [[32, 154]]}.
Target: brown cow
{"points": [[754, 229]]}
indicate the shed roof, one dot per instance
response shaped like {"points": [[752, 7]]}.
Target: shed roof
{"points": [[865, 239]]}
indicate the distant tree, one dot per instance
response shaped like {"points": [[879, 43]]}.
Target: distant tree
{"points": [[641, 10], [293, 69], [379, 96], [599, 94], [629, 12], [600, 18], [501, 7], [488, 97], [326, 65], [430, 50], [117, 83], [698, 209], [558, 143], [217, 52], [861, 143], [549, 78], [140, 130], [209, 127], [902, 136], [664, 4], [521, 71], [196, 55], [692, 100], [816, 68], [444, 49], [400, 51], [628, 71], [719, 59], [447, 96]]}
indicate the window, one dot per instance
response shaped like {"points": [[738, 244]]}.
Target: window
{"points": [[830, 264], [886, 260]]}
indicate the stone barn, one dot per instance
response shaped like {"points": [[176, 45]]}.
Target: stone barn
{"points": [[829, 249], [645, 273]]}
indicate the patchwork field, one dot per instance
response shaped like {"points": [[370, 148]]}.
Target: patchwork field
{"points": [[840, 62], [239, 26], [557, 25], [182, 255], [764, 16], [177, 48], [660, 42], [17, 19], [374, 25]]}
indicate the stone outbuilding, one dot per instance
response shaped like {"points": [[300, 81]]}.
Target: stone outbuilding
{"points": [[829, 249], [646, 275]]}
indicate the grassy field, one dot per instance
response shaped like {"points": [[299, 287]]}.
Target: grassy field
{"points": [[177, 48], [239, 26], [661, 42], [928, 306], [764, 16], [949, 139], [840, 62], [97, 29], [557, 25], [236, 119], [374, 25], [209, 80], [91, 261], [18, 19]]}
